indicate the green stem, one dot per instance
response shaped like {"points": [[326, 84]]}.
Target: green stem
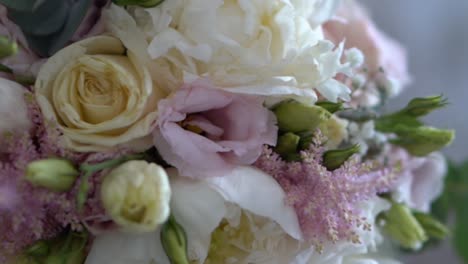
{"points": [[90, 169]]}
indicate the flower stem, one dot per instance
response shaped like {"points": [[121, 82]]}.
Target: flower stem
{"points": [[89, 169]]}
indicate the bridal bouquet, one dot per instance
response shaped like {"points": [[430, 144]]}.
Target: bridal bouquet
{"points": [[210, 131]]}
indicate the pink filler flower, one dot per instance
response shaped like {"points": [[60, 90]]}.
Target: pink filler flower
{"points": [[205, 132]]}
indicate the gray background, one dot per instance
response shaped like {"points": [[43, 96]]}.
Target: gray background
{"points": [[435, 33]]}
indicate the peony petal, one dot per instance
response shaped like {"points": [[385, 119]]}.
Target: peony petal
{"points": [[199, 209], [246, 184], [126, 248]]}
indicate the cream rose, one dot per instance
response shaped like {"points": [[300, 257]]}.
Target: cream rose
{"points": [[100, 94], [266, 47]]}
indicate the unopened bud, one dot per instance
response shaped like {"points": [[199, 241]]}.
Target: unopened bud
{"points": [[174, 241], [296, 117], [287, 146], [7, 47], [433, 227], [420, 141], [423, 106], [333, 159], [142, 3], [404, 228], [57, 175]]}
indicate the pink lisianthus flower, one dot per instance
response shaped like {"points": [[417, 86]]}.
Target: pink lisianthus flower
{"points": [[421, 180], [205, 132], [25, 62], [353, 25]]}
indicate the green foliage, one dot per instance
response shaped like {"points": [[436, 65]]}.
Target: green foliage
{"points": [[454, 200], [47, 25], [67, 248], [457, 189]]}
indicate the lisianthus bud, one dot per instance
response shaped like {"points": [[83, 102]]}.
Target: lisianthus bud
{"points": [[423, 106], [142, 3], [57, 175], [433, 228], [7, 47], [403, 227], [333, 159], [287, 146], [297, 117], [174, 241], [420, 141], [136, 195]]}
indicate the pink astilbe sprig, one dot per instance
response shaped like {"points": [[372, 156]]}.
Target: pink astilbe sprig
{"points": [[327, 202], [29, 213]]}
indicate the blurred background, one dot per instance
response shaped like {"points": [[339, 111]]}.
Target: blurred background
{"points": [[435, 33]]}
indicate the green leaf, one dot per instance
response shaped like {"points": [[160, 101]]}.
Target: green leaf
{"points": [[461, 229], [22, 5], [456, 190], [42, 22], [49, 28]]}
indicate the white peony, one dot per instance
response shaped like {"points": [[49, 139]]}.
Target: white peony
{"points": [[204, 206], [266, 47]]}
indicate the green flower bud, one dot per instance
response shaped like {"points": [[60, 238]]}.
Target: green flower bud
{"points": [[423, 106], [296, 117], [174, 241], [331, 107], [7, 47], [142, 3], [333, 159], [433, 227], [287, 146], [420, 141], [57, 175], [403, 227]]}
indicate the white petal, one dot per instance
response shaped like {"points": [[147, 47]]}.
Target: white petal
{"points": [[259, 193], [13, 109], [199, 209], [126, 248]]}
